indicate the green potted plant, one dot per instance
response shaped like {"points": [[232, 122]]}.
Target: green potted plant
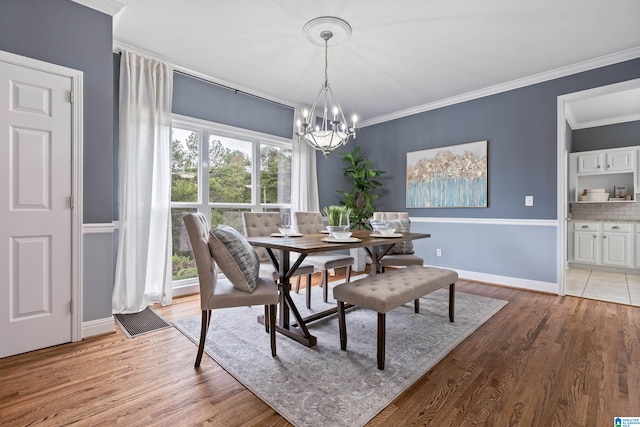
{"points": [[336, 215], [359, 199]]}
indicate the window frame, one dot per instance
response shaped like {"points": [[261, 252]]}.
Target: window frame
{"points": [[205, 129]]}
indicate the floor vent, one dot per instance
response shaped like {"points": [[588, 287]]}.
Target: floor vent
{"points": [[140, 323]]}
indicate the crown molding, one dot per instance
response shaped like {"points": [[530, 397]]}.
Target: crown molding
{"points": [[579, 67], [607, 122], [109, 7]]}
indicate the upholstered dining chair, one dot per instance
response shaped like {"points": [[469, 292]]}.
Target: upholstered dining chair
{"points": [[313, 222], [263, 224], [217, 292], [402, 254]]}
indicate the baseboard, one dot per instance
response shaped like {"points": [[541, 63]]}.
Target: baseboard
{"points": [[98, 327], [512, 282]]}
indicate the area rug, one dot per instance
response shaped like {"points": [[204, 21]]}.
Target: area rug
{"points": [[323, 385]]}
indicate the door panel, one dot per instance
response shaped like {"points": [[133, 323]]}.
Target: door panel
{"points": [[35, 210]]}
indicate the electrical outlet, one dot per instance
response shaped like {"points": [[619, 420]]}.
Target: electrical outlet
{"points": [[528, 200], [438, 252]]}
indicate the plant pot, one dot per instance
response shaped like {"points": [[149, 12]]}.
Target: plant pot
{"points": [[360, 258]]}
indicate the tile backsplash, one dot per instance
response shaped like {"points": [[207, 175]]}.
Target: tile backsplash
{"points": [[614, 211]]}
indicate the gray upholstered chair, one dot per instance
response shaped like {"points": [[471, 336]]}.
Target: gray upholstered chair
{"points": [[313, 222], [263, 224], [403, 256], [220, 293]]}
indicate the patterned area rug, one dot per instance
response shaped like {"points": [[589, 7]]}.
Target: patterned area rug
{"points": [[323, 385]]}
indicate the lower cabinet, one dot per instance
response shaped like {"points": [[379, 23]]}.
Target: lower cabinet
{"points": [[586, 243], [616, 248], [606, 243], [637, 246]]}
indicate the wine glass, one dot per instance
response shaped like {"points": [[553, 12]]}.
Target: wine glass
{"points": [[286, 223], [344, 222]]}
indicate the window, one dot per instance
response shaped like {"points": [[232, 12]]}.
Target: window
{"points": [[222, 171]]}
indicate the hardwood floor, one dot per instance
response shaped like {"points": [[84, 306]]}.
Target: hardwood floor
{"points": [[543, 360]]}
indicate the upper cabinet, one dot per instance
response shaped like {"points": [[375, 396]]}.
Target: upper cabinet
{"points": [[607, 161], [617, 167]]}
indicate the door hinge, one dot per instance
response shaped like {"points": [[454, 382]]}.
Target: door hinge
{"points": [[71, 306], [71, 201]]}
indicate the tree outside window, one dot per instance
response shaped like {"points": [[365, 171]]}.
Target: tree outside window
{"points": [[216, 174]]}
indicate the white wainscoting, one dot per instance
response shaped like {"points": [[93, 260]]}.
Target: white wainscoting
{"points": [[516, 239], [91, 231]]}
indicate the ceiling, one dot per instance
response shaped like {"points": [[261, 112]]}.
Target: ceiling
{"points": [[616, 107], [401, 55]]}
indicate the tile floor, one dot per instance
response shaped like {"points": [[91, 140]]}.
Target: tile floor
{"points": [[605, 286]]}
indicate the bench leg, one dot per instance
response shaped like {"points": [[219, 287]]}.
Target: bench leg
{"points": [[381, 339], [342, 326], [452, 301], [417, 305]]}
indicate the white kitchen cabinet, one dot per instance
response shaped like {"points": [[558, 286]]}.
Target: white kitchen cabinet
{"points": [[620, 160], [590, 163], [616, 244], [602, 161], [604, 169], [606, 243], [586, 244], [637, 245]]}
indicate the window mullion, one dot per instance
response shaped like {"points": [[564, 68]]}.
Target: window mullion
{"points": [[204, 174], [256, 198]]}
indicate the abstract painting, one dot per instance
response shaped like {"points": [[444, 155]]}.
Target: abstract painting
{"points": [[448, 177]]}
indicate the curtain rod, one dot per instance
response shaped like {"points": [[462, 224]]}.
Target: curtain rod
{"points": [[235, 90], [119, 47]]}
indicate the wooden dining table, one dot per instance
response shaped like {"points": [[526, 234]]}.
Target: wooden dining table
{"points": [[376, 248]]}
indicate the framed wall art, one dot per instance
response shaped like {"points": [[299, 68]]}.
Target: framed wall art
{"points": [[448, 177]]}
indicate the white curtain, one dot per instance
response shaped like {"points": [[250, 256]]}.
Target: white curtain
{"points": [[304, 188], [143, 268]]}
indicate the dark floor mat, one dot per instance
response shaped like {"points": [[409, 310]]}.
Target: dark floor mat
{"points": [[140, 323]]}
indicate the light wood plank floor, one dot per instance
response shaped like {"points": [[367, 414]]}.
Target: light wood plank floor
{"points": [[542, 360]]}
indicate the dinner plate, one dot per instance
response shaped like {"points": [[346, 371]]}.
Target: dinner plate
{"points": [[334, 240], [324, 231], [393, 235], [288, 235]]}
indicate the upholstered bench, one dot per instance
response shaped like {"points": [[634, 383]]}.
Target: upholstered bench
{"points": [[384, 292]]}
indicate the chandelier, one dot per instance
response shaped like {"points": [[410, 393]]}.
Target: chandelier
{"points": [[324, 126]]}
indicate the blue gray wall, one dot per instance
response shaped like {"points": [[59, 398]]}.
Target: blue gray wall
{"points": [[603, 137], [197, 98], [68, 34], [521, 127]]}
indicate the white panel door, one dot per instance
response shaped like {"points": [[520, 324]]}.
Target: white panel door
{"points": [[35, 211]]}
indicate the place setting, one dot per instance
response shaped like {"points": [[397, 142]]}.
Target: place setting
{"points": [[340, 233], [383, 228], [286, 230]]}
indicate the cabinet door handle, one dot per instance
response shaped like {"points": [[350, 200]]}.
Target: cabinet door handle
{"points": [[604, 237], [595, 237], [615, 227], [585, 226]]}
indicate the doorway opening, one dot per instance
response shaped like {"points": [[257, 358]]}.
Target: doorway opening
{"points": [[565, 116]]}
